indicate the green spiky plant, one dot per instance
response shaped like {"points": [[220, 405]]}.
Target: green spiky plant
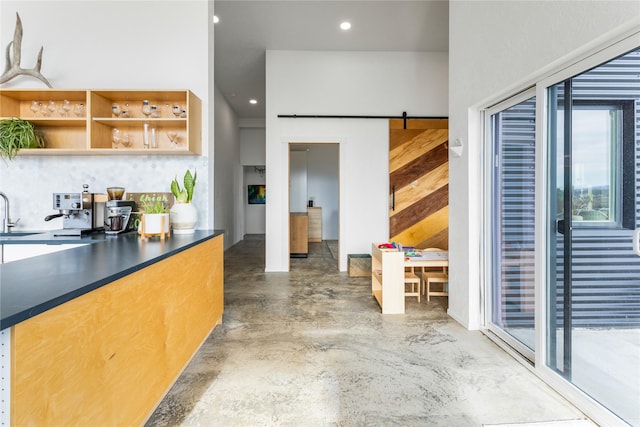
{"points": [[184, 195], [156, 207], [15, 134]]}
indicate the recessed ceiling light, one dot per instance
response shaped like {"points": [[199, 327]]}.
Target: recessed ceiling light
{"points": [[215, 19], [253, 101], [345, 25]]}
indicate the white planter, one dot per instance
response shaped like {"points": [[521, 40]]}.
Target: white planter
{"points": [[153, 223], [184, 217]]}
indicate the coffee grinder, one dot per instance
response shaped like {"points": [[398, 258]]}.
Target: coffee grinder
{"points": [[117, 212]]}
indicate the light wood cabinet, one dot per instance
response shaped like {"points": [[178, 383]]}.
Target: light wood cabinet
{"points": [[298, 234], [315, 224], [113, 366], [89, 133], [387, 274]]}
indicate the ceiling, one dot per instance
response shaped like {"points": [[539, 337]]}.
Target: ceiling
{"points": [[248, 28]]}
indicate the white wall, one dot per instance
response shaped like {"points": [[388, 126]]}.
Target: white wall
{"points": [[323, 186], [228, 173], [252, 154], [298, 181], [349, 83], [107, 45], [254, 214], [496, 48], [252, 146]]}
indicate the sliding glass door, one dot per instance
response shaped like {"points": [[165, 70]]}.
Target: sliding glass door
{"points": [[563, 233], [512, 302], [593, 200]]}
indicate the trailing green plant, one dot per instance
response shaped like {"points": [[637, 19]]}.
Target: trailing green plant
{"points": [[184, 195], [153, 207], [16, 133]]}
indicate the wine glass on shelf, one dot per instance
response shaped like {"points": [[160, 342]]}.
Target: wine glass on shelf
{"points": [[49, 109], [176, 111], [116, 110], [35, 107], [126, 140], [146, 108], [52, 107], [115, 137], [78, 110], [66, 107], [173, 138]]}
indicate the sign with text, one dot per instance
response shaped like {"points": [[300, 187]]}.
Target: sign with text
{"points": [[150, 199]]}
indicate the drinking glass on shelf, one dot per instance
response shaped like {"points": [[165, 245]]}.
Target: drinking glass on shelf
{"points": [[155, 113], [115, 137], [124, 114], [35, 107], [145, 135], [183, 114], [50, 109], [146, 108], [154, 137], [176, 111], [126, 140], [173, 138], [78, 110], [116, 110], [66, 107]]}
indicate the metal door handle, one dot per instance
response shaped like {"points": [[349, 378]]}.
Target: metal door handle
{"points": [[636, 241], [560, 226], [393, 198]]}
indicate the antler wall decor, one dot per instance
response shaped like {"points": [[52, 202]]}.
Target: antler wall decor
{"points": [[13, 69]]}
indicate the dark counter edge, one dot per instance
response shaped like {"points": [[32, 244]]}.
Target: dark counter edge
{"points": [[7, 322]]}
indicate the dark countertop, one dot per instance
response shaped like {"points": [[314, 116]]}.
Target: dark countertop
{"points": [[31, 286]]}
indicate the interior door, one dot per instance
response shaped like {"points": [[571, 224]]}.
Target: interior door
{"points": [[419, 182]]}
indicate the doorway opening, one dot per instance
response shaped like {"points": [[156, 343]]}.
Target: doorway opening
{"points": [[314, 202]]}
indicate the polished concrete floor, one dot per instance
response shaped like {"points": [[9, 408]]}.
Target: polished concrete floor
{"points": [[310, 348]]}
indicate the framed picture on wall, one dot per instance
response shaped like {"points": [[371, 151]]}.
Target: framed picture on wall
{"points": [[257, 194]]}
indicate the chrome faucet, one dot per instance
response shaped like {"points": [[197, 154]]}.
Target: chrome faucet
{"points": [[6, 221]]}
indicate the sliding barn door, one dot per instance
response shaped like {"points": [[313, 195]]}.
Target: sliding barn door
{"points": [[419, 183]]}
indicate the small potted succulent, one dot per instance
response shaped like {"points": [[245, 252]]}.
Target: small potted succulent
{"points": [[184, 215], [152, 216]]}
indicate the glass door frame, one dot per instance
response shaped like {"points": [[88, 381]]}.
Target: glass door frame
{"points": [[595, 54], [488, 201], [543, 224]]}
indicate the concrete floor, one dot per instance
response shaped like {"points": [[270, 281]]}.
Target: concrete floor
{"points": [[310, 348]]}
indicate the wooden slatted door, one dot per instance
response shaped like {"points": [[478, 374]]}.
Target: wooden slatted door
{"points": [[419, 183]]}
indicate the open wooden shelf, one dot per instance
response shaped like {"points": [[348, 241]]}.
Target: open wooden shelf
{"points": [[91, 134], [387, 274]]}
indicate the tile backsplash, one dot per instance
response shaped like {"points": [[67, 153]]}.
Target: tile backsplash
{"points": [[29, 182]]}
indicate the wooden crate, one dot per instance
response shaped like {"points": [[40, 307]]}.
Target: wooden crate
{"points": [[359, 265]]}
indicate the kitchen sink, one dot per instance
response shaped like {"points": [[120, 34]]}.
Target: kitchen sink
{"points": [[16, 252], [19, 233]]}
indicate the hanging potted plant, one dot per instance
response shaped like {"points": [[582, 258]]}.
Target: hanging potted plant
{"points": [[184, 215], [15, 134]]}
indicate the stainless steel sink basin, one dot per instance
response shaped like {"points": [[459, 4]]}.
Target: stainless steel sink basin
{"points": [[18, 234]]}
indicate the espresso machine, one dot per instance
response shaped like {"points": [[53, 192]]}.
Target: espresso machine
{"points": [[81, 213]]}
